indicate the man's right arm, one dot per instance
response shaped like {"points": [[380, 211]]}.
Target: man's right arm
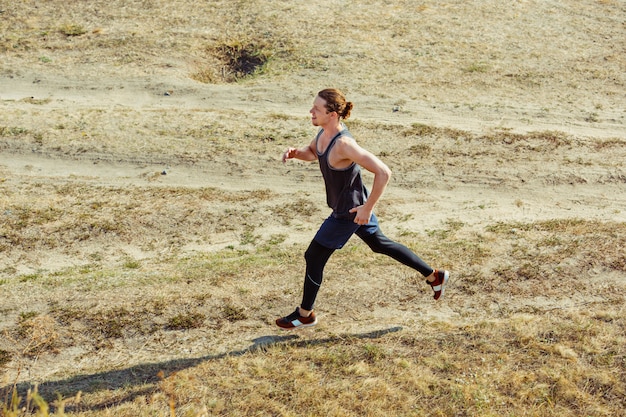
{"points": [[306, 153]]}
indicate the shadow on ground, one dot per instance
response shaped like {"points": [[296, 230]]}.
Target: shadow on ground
{"points": [[142, 380]]}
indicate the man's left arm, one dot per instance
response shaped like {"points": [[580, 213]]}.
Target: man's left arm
{"points": [[351, 150]]}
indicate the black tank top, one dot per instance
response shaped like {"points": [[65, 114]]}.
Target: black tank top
{"points": [[344, 187]]}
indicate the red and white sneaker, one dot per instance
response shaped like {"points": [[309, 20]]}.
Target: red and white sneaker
{"points": [[296, 321], [439, 284]]}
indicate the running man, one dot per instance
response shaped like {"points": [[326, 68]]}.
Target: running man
{"points": [[340, 159]]}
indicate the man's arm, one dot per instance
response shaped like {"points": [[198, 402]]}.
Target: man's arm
{"points": [[350, 150], [306, 153]]}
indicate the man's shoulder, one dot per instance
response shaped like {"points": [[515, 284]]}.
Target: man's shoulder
{"points": [[346, 138]]}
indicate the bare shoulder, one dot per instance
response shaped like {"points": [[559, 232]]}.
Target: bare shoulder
{"points": [[347, 142], [349, 148]]}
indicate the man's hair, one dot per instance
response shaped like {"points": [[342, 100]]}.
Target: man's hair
{"points": [[336, 102]]}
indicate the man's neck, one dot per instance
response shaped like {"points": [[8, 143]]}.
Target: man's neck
{"points": [[331, 129]]}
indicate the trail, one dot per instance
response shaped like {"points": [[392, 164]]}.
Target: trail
{"points": [[176, 92]]}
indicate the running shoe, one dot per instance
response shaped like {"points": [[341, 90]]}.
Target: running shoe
{"points": [[439, 284], [296, 321]]}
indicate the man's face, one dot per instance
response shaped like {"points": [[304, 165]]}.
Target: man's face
{"points": [[319, 115]]}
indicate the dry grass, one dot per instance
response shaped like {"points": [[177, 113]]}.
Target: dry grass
{"points": [[545, 354], [147, 245]]}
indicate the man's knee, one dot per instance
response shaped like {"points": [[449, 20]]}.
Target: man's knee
{"points": [[317, 253], [309, 254]]}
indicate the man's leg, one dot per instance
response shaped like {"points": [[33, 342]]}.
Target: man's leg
{"points": [[332, 235], [316, 257], [379, 243]]}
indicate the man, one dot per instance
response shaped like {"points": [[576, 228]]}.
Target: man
{"points": [[340, 159]]}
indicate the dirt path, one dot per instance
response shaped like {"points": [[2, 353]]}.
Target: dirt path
{"points": [[175, 92], [490, 193]]}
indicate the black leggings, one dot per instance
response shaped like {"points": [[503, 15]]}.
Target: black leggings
{"points": [[317, 255]]}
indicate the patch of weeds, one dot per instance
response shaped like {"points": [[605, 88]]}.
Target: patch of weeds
{"points": [[419, 129], [552, 138], [70, 29], [277, 239], [479, 67], [26, 315], [420, 150], [507, 273], [38, 334], [299, 208], [95, 257], [201, 298], [237, 58], [454, 225], [507, 137], [112, 323], [39, 101], [132, 264], [563, 225], [248, 236], [12, 131], [244, 58], [205, 76], [29, 277], [186, 321], [5, 357], [279, 116], [157, 306], [407, 233], [66, 315], [467, 251], [101, 226], [243, 291], [405, 217], [609, 143], [232, 313], [38, 137], [440, 234], [373, 353], [87, 269]]}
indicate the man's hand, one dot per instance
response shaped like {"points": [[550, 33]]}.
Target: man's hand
{"points": [[306, 153], [289, 153], [363, 215]]}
